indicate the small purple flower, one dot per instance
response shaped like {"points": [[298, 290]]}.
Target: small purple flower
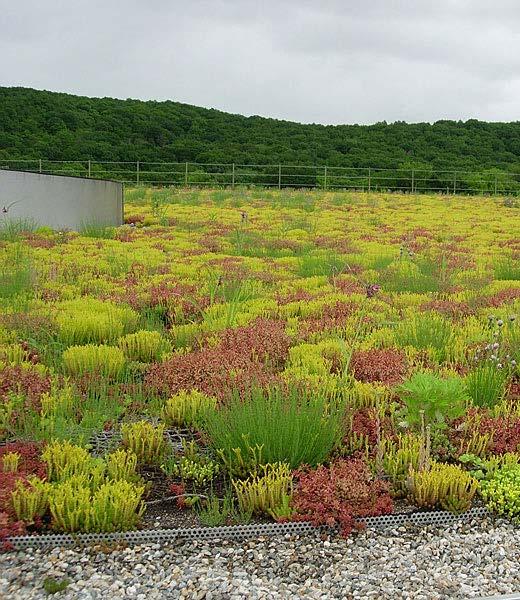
{"points": [[372, 290]]}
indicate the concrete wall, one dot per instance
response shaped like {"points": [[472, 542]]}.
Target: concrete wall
{"points": [[60, 202]]}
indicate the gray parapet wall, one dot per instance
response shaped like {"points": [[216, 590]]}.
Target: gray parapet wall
{"points": [[58, 201]]}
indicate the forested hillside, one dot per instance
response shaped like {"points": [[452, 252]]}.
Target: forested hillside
{"points": [[41, 124]]}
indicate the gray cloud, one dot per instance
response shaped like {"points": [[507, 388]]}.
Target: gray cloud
{"points": [[349, 61]]}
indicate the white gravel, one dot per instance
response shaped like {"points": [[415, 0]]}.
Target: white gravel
{"points": [[462, 561]]}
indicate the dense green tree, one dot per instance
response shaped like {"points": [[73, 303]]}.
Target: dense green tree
{"points": [[55, 126]]}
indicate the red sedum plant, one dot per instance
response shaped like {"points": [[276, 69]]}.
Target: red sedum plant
{"points": [[338, 494], [386, 366], [29, 464], [244, 357]]}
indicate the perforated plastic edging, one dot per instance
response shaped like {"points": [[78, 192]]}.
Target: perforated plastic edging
{"points": [[434, 517], [238, 532]]}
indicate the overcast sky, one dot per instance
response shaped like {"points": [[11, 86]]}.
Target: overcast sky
{"points": [[326, 61]]}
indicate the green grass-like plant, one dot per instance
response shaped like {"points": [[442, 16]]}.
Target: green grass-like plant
{"points": [[93, 229], [486, 384], [426, 332], [292, 426]]}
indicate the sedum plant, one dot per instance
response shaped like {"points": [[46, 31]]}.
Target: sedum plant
{"points": [[121, 465], [88, 328], [338, 494], [88, 320], [192, 466], [10, 462], [186, 409], [442, 486], [265, 492], [117, 506], [145, 441], [501, 491], [65, 460], [106, 361], [409, 453], [113, 506], [30, 499], [144, 346]]}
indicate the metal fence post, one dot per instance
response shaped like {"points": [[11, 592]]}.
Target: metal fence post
{"points": [[40, 165], [325, 177], [413, 179], [279, 176], [496, 183], [369, 179], [455, 183], [186, 175], [89, 169], [137, 172], [233, 176]]}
